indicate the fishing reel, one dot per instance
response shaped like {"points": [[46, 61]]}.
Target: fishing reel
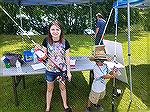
{"points": [[60, 79], [118, 92], [41, 54]]}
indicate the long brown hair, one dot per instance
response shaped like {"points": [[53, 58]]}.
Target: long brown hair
{"points": [[56, 22]]}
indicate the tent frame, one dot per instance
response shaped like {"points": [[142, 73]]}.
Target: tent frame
{"points": [[129, 49], [129, 4]]}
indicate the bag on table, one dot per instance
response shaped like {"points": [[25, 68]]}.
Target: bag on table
{"points": [[13, 57]]}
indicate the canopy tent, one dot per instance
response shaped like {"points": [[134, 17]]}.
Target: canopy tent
{"points": [[133, 3], [116, 5], [128, 4], [123, 77], [50, 2]]}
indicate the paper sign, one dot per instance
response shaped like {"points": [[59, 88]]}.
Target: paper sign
{"points": [[113, 64], [38, 66], [72, 63]]}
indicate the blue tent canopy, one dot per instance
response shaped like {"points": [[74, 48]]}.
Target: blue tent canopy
{"points": [[50, 2], [117, 4], [123, 3]]}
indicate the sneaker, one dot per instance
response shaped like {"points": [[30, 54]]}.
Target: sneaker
{"points": [[99, 107], [88, 109], [68, 109]]}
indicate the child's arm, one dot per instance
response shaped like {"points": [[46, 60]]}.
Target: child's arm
{"points": [[110, 75]]}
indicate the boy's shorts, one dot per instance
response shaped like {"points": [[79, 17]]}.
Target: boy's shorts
{"points": [[94, 97], [51, 76]]}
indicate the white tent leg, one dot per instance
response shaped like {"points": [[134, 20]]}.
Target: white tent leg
{"points": [[91, 17], [91, 25], [129, 53], [20, 11]]}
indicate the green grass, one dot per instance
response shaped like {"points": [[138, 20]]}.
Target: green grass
{"points": [[32, 99]]}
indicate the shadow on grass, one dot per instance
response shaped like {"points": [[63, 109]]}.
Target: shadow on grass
{"points": [[13, 43], [31, 98]]}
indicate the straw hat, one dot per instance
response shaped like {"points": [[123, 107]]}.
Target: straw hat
{"points": [[99, 53]]}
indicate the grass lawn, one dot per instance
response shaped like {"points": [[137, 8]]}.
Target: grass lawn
{"points": [[32, 99]]}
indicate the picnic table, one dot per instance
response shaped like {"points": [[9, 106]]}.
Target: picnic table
{"points": [[82, 64]]}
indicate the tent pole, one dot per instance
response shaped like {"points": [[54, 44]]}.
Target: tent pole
{"points": [[20, 12], [129, 53], [92, 38], [115, 59], [91, 21], [91, 17]]}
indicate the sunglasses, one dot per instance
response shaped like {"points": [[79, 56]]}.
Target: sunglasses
{"points": [[98, 60]]}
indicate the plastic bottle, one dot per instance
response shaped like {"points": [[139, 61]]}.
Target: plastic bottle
{"points": [[18, 66], [35, 58]]}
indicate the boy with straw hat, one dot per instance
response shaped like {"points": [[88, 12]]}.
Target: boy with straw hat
{"points": [[101, 72]]}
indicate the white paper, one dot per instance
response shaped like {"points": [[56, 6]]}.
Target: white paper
{"points": [[38, 66]]}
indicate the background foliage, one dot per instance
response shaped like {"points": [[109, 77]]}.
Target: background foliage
{"points": [[75, 18]]}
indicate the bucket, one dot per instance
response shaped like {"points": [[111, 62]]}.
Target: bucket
{"points": [[28, 56]]}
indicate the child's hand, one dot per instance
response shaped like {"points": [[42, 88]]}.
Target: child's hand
{"points": [[37, 46], [41, 52], [115, 69], [114, 73]]}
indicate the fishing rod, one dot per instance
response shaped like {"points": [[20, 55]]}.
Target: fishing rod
{"points": [[102, 37], [16, 24]]}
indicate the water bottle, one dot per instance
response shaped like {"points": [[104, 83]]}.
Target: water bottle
{"points": [[35, 58], [18, 66]]}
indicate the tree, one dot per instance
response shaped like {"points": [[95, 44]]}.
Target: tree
{"points": [[74, 18], [6, 24]]}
